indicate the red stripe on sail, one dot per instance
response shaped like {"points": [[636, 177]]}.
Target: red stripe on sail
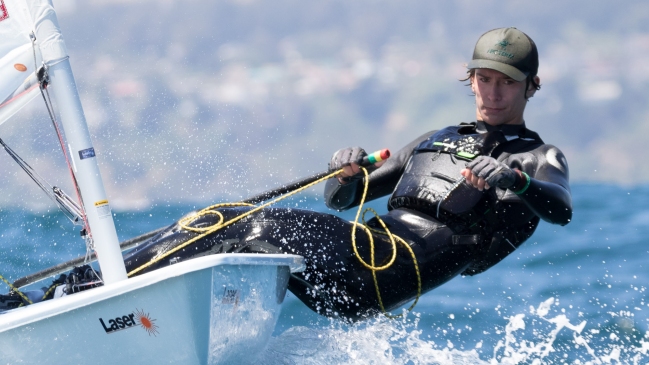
{"points": [[17, 96], [3, 11]]}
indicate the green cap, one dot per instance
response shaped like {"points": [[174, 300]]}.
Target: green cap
{"points": [[507, 50]]}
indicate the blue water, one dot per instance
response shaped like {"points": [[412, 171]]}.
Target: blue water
{"points": [[573, 295]]}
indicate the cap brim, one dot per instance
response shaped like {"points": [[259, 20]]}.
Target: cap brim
{"points": [[508, 70]]}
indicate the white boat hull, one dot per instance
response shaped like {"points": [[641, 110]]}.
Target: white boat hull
{"points": [[217, 309]]}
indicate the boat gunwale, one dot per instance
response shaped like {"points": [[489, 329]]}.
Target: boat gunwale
{"points": [[38, 311]]}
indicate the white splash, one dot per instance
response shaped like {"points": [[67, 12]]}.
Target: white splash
{"points": [[535, 339], [383, 341], [519, 351]]}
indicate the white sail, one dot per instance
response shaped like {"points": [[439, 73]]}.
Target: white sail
{"points": [[15, 25], [18, 58]]}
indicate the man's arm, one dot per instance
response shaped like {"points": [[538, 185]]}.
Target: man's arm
{"points": [[342, 196], [548, 192], [543, 188]]}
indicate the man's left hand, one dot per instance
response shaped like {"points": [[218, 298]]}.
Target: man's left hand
{"points": [[485, 172]]}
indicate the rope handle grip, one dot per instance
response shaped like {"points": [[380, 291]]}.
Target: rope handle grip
{"points": [[374, 157]]}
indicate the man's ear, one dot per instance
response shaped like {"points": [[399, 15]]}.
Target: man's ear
{"points": [[532, 90]]}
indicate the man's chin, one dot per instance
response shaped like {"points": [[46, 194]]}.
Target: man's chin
{"points": [[492, 121]]}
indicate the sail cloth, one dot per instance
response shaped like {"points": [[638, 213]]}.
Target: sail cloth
{"points": [[19, 58]]}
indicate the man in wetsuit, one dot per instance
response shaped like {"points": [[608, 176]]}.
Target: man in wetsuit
{"points": [[511, 178], [463, 198]]}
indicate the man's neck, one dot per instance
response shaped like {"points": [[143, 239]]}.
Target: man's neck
{"points": [[507, 129]]}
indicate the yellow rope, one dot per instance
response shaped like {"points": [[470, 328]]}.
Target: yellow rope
{"points": [[50, 290], [186, 222], [13, 288], [392, 238], [215, 227]]}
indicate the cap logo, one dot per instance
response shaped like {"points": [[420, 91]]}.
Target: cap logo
{"points": [[503, 49], [503, 44]]}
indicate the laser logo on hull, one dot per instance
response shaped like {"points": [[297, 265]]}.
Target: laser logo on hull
{"points": [[138, 318]]}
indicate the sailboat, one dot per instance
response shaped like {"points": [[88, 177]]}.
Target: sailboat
{"points": [[208, 310]]}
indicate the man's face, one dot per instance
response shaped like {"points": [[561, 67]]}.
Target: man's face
{"points": [[499, 98]]}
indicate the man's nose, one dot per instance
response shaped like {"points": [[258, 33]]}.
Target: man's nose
{"points": [[495, 92]]}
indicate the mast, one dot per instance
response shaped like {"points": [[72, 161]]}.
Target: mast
{"points": [[80, 148]]}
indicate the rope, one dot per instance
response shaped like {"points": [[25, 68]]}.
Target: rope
{"points": [[215, 227], [50, 290], [57, 195], [50, 109], [392, 238], [186, 222], [15, 290]]}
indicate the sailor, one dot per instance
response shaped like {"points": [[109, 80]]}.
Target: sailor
{"points": [[463, 198]]}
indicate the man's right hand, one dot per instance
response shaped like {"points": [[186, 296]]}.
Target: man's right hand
{"points": [[349, 160]]}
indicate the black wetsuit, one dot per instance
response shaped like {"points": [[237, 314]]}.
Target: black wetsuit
{"points": [[462, 231]]}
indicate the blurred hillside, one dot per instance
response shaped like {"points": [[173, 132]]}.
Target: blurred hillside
{"points": [[199, 100]]}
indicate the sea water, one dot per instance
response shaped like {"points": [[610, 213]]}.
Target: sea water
{"points": [[570, 295]]}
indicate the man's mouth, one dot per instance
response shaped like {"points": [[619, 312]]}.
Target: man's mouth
{"points": [[492, 110]]}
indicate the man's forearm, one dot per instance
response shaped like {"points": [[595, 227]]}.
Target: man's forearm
{"points": [[551, 202], [340, 196]]}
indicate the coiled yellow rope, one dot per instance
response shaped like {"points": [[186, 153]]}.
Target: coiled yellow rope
{"points": [[204, 231], [392, 238]]}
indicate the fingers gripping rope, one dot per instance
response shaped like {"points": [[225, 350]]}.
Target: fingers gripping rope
{"points": [[186, 223]]}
